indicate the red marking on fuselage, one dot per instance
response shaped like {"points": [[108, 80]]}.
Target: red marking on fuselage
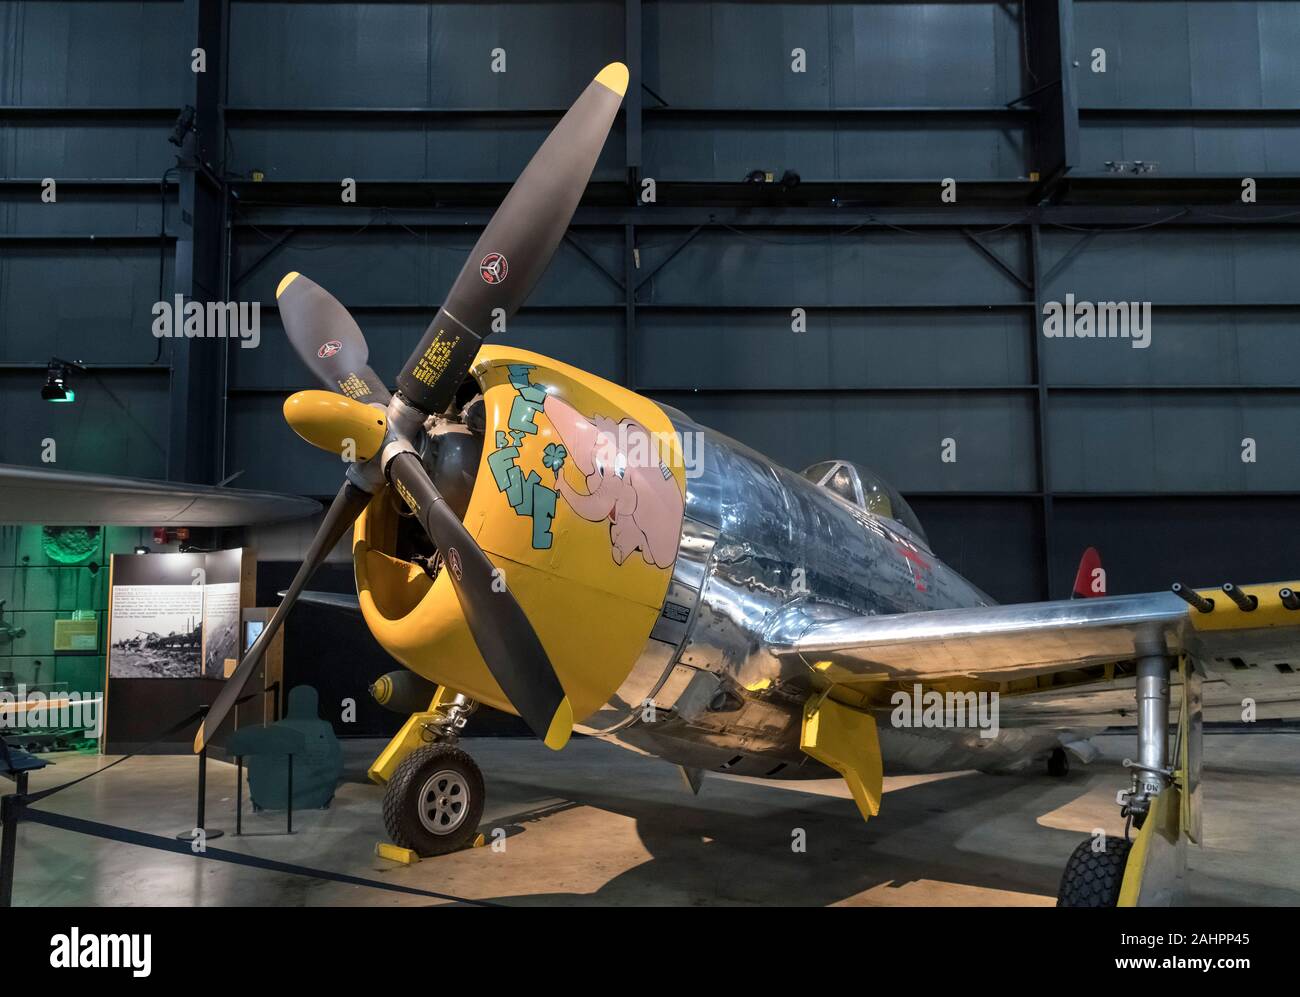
{"points": [[917, 566]]}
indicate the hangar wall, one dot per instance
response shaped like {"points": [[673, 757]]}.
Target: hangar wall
{"points": [[44, 577], [922, 316]]}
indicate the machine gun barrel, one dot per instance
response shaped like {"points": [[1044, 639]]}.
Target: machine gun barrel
{"points": [[1193, 598], [1246, 603]]}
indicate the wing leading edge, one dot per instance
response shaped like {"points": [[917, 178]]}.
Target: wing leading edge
{"points": [[1003, 644]]}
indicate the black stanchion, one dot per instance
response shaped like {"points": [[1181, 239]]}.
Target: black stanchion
{"points": [[15, 766], [10, 813], [200, 820]]}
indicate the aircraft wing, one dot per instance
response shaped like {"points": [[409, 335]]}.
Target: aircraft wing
{"points": [[69, 498], [1060, 660]]}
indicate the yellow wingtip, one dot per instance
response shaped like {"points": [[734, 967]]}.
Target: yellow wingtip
{"points": [[285, 281], [614, 76], [557, 734]]}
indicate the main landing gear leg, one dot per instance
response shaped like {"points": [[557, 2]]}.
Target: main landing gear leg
{"points": [[1152, 773], [1095, 871]]}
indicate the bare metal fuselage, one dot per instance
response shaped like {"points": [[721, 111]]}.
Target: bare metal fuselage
{"points": [[764, 554]]}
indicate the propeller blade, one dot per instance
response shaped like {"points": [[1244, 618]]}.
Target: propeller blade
{"points": [[516, 247], [343, 511], [506, 639], [328, 339]]}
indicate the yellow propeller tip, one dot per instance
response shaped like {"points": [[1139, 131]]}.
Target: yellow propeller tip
{"points": [[557, 734], [288, 279], [614, 76], [199, 738]]}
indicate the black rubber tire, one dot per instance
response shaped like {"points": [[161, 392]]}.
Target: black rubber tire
{"points": [[402, 800], [1093, 879], [1058, 763]]}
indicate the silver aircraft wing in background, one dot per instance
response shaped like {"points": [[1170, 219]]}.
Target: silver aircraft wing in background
{"points": [[70, 498]]}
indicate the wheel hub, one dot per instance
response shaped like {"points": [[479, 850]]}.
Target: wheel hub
{"points": [[444, 802]]}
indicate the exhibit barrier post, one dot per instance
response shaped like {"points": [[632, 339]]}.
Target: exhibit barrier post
{"points": [[10, 812], [200, 820]]}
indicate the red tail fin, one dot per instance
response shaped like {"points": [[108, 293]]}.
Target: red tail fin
{"points": [[1090, 579]]}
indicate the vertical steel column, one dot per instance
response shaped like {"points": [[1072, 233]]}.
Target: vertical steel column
{"points": [[195, 409], [632, 99], [629, 306], [632, 105], [1048, 27], [1043, 449], [1048, 30]]}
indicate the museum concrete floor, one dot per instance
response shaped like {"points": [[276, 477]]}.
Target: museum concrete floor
{"points": [[600, 825]]}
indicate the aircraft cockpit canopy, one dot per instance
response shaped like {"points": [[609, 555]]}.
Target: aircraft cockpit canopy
{"points": [[863, 487]]}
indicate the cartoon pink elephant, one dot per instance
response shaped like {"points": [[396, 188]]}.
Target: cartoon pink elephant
{"points": [[626, 482]]}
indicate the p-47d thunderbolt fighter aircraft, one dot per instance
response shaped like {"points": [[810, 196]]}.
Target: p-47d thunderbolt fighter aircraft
{"points": [[532, 537]]}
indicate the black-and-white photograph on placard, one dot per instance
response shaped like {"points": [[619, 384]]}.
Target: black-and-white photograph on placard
{"points": [[156, 627]]}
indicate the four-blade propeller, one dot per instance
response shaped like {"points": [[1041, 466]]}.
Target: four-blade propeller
{"points": [[512, 253]]}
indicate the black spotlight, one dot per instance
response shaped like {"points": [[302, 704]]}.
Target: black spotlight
{"points": [[56, 387], [183, 126], [142, 549]]}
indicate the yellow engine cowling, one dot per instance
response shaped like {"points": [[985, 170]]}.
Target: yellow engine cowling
{"points": [[591, 579]]}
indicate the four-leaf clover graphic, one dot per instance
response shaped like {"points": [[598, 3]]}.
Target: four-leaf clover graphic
{"points": [[553, 456]]}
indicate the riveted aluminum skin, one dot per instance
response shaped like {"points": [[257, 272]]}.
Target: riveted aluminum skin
{"points": [[764, 555]]}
